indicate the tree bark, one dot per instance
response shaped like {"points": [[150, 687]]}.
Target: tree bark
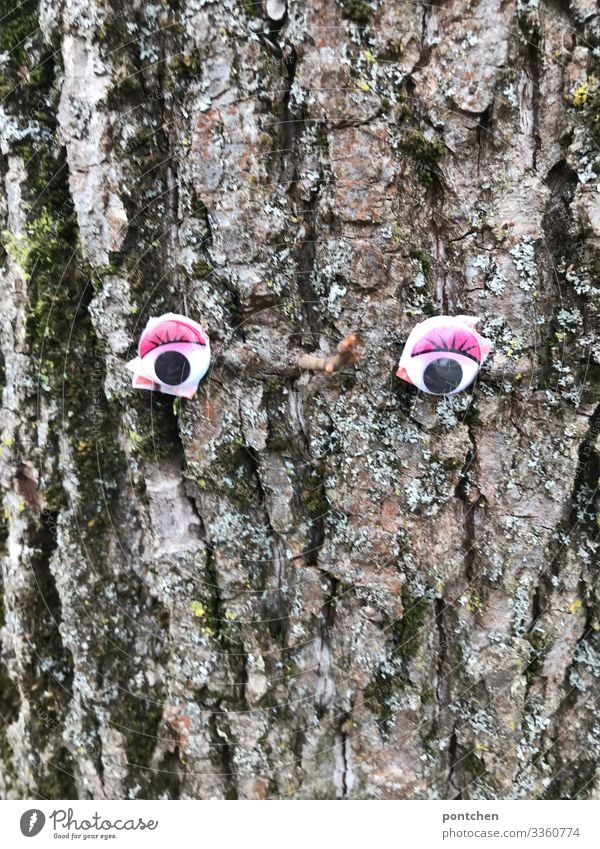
{"points": [[299, 584]]}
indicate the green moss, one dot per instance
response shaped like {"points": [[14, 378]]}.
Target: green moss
{"points": [[220, 621], [574, 783], [582, 777], [404, 114], [19, 24], [136, 708], [253, 8], [138, 717], [29, 67], [279, 438], [67, 361], [68, 366], [407, 631], [47, 677], [279, 442], [380, 693], [451, 464], [157, 432], [553, 791], [201, 268], [357, 10], [474, 765], [140, 140], [271, 387], [591, 387], [394, 674], [313, 491], [233, 475], [539, 643], [56, 780], [430, 309], [9, 702], [6, 758], [426, 696], [377, 698], [185, 64], [424, 258], [427, 152], [322, 137]]}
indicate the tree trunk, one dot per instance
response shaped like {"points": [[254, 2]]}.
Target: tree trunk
{"points": [[298, 584]]}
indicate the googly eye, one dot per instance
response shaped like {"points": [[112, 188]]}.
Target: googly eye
{"points": [[443, 355], [174, 356]]}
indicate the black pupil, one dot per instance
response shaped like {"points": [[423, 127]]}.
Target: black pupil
{"points": [[442, 376], [172, 368]]}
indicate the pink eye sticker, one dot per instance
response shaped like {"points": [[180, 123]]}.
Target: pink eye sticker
{"points": [[443, 355], [173, 356]]}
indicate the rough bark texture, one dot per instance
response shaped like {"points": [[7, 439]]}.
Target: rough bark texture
{"points": [[299, 585]]}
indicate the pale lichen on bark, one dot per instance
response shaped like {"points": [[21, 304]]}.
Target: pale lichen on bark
{"points": [[299, 584]]}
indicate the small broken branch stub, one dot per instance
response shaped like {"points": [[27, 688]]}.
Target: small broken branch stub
{"points": [[346, 353]]}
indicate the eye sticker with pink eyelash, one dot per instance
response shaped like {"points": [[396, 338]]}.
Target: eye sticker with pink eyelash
{"points": [[173, 356], [443, 354]]}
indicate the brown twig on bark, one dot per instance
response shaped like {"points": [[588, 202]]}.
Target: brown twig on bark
{"points": [[346, 353]]}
